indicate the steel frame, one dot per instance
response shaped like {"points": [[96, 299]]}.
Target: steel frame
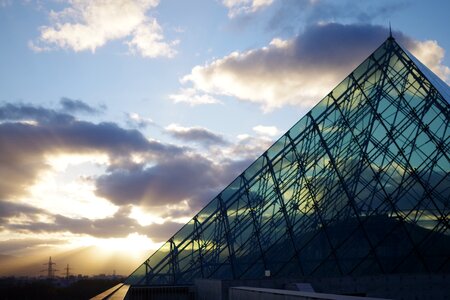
{"points": [[360, 185]]}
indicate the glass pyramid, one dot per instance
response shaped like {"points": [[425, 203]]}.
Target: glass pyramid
{"points": [[359, 186]]}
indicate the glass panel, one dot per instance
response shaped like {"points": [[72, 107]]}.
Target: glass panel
{"points": [[360, 185]]}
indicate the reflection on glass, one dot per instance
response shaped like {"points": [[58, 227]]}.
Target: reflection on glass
{"points": [[360, 185]]}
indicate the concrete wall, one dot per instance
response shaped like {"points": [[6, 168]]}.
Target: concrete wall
{"points": [[402, 287], [399, 286], [246, 293], [208, 289]]}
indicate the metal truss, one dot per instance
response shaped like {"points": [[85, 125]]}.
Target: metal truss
{"points": [[360, 185]]}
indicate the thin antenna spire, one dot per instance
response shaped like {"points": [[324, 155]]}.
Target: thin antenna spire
{"points": [[390, 38]]}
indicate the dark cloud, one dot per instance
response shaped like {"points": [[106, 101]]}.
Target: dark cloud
{"points": [[24, 112], [73, 106], [23, 146], [54, 129], [337, 45], [175, 173], [169, 182], [161, 232], [11, 209], [288, 14], [118, 225], [299, 71], [198, 135], [190, 177], [169, 176], [22, 245], [107, 137]]}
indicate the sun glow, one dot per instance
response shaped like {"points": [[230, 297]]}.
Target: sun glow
{"points": [[144, 218], [68, 188], [89, 255], [61, 189], [133, 243], [61, 162]]}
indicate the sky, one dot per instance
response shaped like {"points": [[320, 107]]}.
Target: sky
{"points": [[120, 119]]}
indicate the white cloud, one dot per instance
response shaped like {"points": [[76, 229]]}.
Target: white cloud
{"points": [[240, 7], [272, 77], [196, 134], [193, 97], [148, 41], [136, 120], [431, 55], [302, 70], [90, 24], [266, 130], [177, 128]]}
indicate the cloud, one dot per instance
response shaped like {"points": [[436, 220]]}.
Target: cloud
{"points": [[193, 97], [432, 55], [62, 131], [118, 225], [21, 245], [90, 24], [10, 209], [148, 41], [137, 121], [289, 14], [240, 7], [23, 112], [198, 135], [161, 232], [38, 131], [188, 177], [72, 106], [266, 130], [302, 70], [139, 170], [169, 182]]}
